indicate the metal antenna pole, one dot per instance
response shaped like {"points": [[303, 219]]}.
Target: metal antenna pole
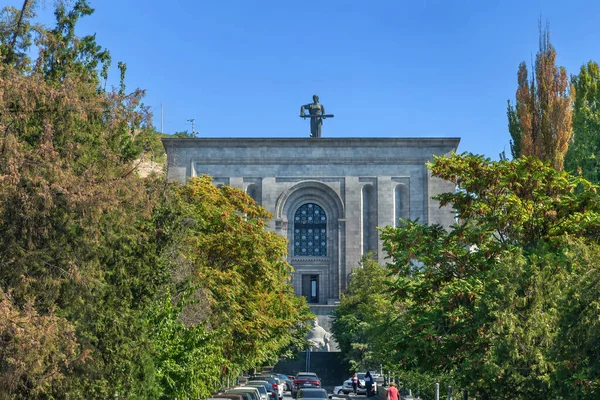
{"points": [[192, 121]]}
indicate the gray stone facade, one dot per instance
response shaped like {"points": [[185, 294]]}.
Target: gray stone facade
{"points": [[358, 183]]}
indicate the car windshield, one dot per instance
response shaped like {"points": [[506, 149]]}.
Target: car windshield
{"points": [[312, 394]]}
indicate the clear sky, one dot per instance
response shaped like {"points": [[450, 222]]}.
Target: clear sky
{"points": [[430, 68]]}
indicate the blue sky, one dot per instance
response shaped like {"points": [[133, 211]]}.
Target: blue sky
{"points": [[431, 68]]}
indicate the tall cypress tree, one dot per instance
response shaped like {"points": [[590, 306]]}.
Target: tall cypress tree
{"points": [[582, 157], [543, 108]]}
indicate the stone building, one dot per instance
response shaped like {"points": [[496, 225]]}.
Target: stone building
{"points": [[327, 195]]}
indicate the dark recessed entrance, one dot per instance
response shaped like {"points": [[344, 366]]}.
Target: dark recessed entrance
{"points": [[310, 288]]}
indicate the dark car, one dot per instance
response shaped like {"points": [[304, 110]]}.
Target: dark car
{"points": [[312, 394], [305, 380]]}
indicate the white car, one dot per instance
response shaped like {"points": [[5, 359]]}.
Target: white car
{"points": [[280, 385], [347, 385]]}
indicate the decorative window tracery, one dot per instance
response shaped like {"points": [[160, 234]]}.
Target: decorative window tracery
{"points": [[310, 231]]}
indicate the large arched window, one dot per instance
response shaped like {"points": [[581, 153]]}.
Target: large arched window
{"points": [[310, 231]]}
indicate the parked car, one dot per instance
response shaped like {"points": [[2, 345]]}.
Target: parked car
{"points": [[262, 389], [347, 388], [271, 392], [221, 398], [231, 396], [254, 393], [273, 381], [305, 380], [245, 396], [347, 385], [286, 380], [279, 384], [311, 394], [338, 389]]}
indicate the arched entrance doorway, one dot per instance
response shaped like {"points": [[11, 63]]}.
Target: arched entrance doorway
{"points": [[311, 216]]}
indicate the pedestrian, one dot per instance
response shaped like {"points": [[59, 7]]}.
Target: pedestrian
{"points": [[392, 392], [354, 382], [369, 384]]}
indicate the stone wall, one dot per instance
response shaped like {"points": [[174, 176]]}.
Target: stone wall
{"points": [[330, 367]]}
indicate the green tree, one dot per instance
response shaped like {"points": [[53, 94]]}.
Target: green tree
{"points": [[16, 34], [482, 301], [576, 372], [540, 123], [362, 316], [582, 157], [128, 282], [242, 275], [184, 135], [514, 128]]}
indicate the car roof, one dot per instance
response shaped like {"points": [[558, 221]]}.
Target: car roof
{"points": [[242, 388], [261, 386], [262, 378], [308, 392], [237, 391], [233, 396], [248, 389]]}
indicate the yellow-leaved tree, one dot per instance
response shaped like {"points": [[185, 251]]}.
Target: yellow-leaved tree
{"points": [[540, 122]]}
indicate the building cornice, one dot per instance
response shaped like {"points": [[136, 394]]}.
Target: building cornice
{"points": [[447, 142]]}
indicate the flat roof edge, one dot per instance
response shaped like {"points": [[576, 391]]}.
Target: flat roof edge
{"points": [[316, 142]]}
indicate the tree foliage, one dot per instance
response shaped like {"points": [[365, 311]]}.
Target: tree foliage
{"points": [[110, 283], [486, 302], [582, 157], [540, 122], [238, 272], [362, 315], [184, 135], [34, 348]]}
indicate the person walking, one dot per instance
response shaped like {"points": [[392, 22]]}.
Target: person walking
{"points": [[369, 384], [354, 382], [392, 392]]}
